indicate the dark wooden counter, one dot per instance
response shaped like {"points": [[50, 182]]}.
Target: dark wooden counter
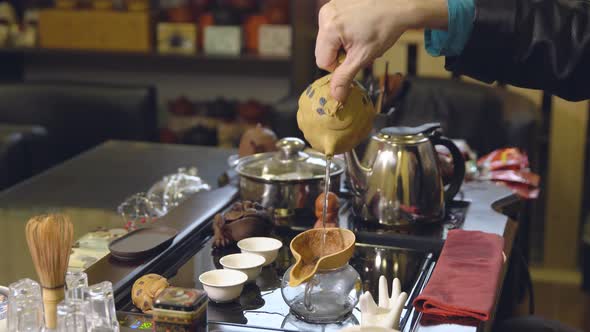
{"points": [[91, 186]]}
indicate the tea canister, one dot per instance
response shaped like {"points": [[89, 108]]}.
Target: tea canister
{"points": [[181, 309]]}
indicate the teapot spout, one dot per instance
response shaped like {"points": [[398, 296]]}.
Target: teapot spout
{"points": [[357, 173]]}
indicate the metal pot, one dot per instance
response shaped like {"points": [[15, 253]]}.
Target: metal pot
{"points": [[289, 180]]}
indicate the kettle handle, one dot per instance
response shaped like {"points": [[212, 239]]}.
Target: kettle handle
{"points": [[458, 165]]}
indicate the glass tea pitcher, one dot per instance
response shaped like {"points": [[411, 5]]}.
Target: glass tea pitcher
{"points": [[321, 287], [328, 297]]}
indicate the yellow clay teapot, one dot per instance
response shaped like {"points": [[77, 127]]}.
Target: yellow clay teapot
{"points": [[330, 126]]}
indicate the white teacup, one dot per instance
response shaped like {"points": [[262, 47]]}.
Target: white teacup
{"points": [[266, 247], [250, 264], [223, 285]]}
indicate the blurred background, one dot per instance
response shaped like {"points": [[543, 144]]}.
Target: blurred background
{"points": [[74, 73]]}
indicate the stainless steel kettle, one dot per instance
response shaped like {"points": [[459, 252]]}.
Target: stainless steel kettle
{"points": [[397, 180]]}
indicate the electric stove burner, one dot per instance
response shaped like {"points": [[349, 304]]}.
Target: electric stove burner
{"points": [[456, 212]]}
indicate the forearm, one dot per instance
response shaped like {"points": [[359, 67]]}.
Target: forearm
{"points": [[412, 14], [429, 14]]}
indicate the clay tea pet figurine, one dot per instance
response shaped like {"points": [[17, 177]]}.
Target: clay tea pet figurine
{"points": [[256, 140], [146, 289], [332, 213], [244, 219]]}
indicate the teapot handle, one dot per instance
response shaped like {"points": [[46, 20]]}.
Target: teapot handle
{"points": [[458, 165]]}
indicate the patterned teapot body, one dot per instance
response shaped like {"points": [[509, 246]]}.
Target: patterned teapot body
{"points": [[330, 126]]}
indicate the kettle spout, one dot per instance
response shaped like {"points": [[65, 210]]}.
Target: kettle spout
{"points": [[357, 173]]}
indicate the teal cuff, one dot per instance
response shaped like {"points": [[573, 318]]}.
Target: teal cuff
{"points": [[451, 42]]}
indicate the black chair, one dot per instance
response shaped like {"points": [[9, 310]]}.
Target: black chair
{"points": [[20, 148], [486, 117], [76, 116]]}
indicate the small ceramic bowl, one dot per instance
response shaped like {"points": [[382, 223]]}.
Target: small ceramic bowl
{"points": [[250, 264], [266, 247], [223, 285]]}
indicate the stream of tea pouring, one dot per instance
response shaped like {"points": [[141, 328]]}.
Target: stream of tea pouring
{"points": [[325, 208], [332, 127]]}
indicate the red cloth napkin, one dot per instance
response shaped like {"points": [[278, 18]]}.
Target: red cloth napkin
{"points": [[465, 280]]}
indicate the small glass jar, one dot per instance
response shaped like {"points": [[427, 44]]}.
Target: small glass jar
{"points": [[76, 285], [328, 297]]}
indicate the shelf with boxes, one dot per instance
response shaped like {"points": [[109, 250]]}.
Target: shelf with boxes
{"points": [[218, 122], [191, 32], [244, 64]]}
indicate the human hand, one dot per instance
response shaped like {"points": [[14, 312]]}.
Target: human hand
{"points": [[388, 313], [365, 29]]}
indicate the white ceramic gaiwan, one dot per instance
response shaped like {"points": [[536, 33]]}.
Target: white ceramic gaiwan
{"points": [[223, 285], [250, 264], [266, 247]]}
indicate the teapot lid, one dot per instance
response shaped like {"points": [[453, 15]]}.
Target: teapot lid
{"points": [[410, 131], [290, 163]]}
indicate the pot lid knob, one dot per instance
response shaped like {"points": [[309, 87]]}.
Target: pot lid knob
{"points": [[290, 148]]}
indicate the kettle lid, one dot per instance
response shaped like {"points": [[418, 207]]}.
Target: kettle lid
{"points": [[411, 131]]}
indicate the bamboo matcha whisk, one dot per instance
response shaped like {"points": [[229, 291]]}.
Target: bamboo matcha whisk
{"points": [[50, 239]]}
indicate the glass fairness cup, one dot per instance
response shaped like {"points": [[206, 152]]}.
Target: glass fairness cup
{"points": [[102, 315], [178, 187], [87, 308], [71, 315], [173, 189], [25, 306], [328, 297], [76, 284], [141, 210]]}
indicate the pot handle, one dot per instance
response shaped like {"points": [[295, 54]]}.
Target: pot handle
{"points": [[458, 165]]}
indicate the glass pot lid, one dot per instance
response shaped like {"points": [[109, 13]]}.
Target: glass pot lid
{"points": [[289, 163]]}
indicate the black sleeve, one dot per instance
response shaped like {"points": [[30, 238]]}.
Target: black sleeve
{"points": [[538, 44]]}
